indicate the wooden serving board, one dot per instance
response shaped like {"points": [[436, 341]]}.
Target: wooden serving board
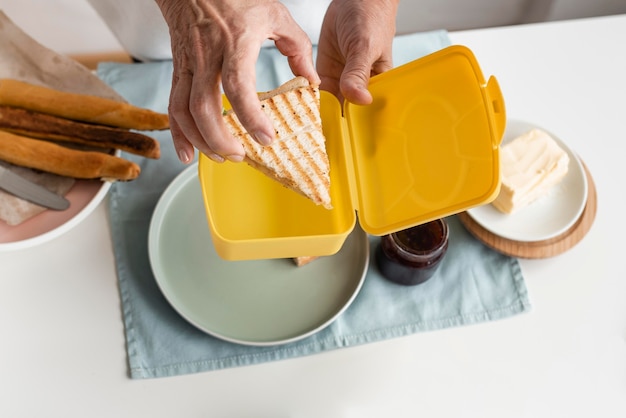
{"points": [[540, 249]]}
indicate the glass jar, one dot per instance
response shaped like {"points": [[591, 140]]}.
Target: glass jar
{"points": [[411, 256]]}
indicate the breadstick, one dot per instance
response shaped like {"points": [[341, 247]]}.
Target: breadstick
{"points": [[40, 125], [80, 107], [57, 159]]}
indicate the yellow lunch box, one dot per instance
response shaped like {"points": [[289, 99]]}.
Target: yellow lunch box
{"points": [[426, 148]]}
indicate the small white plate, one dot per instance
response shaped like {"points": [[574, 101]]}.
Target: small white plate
{"points": [[256, 302], [84, 197], [547, 217]]}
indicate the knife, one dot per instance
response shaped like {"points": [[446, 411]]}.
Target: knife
{"points": [[27, 190]]}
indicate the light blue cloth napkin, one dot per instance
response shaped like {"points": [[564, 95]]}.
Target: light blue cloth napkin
{"points": [[473, 284]]}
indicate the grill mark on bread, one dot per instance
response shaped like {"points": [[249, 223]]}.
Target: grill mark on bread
{"points": [[310, 180], [283, 110], [287, 163], [320, 171], [287, 109], [291, 108], [304, 120], [297, 157]]}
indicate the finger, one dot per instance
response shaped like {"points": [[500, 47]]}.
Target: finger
{"points": [[206, 108], [355, 79], [330, 70], [184, 149], [239, 83], [182, 128], [295, 44], [356, 76], [298, 49], [185, 129], [331, 85], [381, 66]]}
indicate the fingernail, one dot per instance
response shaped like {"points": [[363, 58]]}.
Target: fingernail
{"points": [[216, 158], [183, 156], [236, 158], [262, 138]]}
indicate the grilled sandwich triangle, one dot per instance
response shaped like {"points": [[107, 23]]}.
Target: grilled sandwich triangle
{"points": [[297, 157]]}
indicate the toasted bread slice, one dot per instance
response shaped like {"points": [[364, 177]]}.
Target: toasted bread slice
{"points": [[297, 157], [304, 260]]}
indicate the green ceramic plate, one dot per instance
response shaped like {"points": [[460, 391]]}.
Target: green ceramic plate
{"points": [[259, 302]]}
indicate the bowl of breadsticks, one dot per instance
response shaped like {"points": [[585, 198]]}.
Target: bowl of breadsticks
{"points": [[71, 144]]}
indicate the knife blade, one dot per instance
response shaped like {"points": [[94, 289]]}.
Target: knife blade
{"points": [[27, 190]]}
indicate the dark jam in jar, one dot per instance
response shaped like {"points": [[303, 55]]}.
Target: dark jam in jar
{"points": [[412, 256]]}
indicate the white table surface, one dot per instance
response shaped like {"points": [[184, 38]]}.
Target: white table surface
{"points": [[62, 348]]}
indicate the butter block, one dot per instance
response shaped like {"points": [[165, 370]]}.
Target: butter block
{"points": [[532, 164]]}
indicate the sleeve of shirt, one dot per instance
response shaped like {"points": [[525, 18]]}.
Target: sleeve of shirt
{"points": [[139, 27]]}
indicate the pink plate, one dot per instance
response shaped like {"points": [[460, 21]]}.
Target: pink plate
{"points": [[84, 197]]}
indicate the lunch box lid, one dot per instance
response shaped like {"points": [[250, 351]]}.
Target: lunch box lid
{"points": [[427, 147]]}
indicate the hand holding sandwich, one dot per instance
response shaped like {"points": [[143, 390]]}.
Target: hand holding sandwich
{"points": [[217, 42]]}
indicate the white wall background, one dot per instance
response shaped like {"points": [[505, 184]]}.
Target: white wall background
{"points": [[72, 27], [469, 14], [65, 26]]}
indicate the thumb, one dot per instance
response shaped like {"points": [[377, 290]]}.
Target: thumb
{"points": [[354, 81]]}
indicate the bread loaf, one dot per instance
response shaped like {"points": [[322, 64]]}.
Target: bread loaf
{"points": [[43, 126], [57, 159], [79, 107]]}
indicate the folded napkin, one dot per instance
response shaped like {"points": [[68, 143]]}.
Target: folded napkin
{"points": [[473, 284]]}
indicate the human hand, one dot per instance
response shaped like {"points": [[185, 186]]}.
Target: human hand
{"points": [[355, 44], [218, 42]]}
